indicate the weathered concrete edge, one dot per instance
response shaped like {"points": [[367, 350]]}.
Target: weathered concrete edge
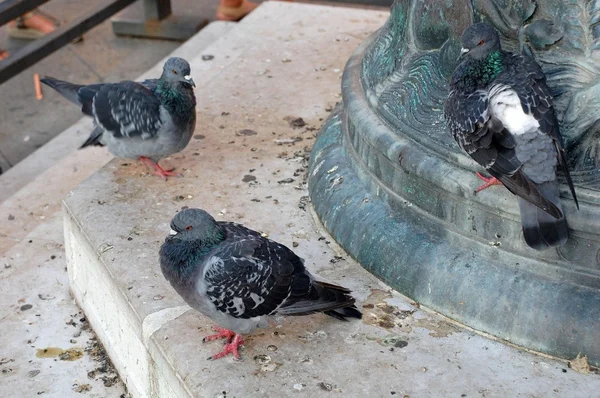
{"points": [[417, 258], [106, 308], [129, 340]]}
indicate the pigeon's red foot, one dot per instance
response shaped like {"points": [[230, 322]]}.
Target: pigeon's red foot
{"points": [[488, 182], [222, 334], [157, 170], [234, 341]]}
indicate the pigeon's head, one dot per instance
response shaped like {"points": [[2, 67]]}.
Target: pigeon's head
{"points": [[194, 225], [479, 40], [177, 70]]}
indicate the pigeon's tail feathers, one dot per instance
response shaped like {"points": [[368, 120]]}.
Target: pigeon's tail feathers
{"points": [[328, 298], [66, 89], [94, 138], [520, 185], [541, 230], [339, 296], [76, 93], [565, 169], [345, 312]]}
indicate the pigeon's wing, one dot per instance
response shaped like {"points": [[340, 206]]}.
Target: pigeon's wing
{"points": [[85, 96], [254, 276], [485, 138], [127, 109], [150, 84], [536, 100], [250, 276]]}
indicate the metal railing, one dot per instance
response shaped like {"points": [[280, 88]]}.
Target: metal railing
{"points": [[157, 15]]}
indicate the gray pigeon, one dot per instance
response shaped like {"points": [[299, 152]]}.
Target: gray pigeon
{"points": [[147, 121], [238, 278], [500, 112]]}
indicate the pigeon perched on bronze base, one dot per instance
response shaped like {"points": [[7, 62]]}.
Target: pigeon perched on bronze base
{"points": [[500, 112]]}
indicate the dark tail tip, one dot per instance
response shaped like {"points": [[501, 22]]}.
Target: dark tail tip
{"points": [[343, 313], [47, 80], [94, 138], [546, 235], [542, 230]]}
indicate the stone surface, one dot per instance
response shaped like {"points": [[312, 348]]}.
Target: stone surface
{"points": [[247, 163], [40, 199]]}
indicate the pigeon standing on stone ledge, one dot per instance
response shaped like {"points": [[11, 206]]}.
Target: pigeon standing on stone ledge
{"points": [[147, 121], [238, 278], [500, 112]]}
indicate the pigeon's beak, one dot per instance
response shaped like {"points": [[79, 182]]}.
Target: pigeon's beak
{"points": [[172, 232], [189, 79], [463, 51]]}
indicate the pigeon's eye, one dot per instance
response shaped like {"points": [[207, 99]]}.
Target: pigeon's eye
{"points": [[189, 228], [481, 42], [175, 72]]}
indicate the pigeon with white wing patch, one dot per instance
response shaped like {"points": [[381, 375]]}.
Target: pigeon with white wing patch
{"points": [[500, 112], [238, 278]]}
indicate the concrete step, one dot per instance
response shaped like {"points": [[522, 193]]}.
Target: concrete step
{"points": [[281, 63]]}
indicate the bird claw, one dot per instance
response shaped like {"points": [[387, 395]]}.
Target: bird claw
{"points": [[221, 333], [166, 173], [234, 341], [157, 170], [488, 182], [232, 348]]}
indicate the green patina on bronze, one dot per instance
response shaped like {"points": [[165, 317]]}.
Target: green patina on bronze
{"points": [[405, 208]]}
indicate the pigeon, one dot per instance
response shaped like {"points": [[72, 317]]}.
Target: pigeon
{"points": [[500, 112], [239, 278], [147, 121]]}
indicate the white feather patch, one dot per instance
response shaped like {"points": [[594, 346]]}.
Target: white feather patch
{"points": [[238, 304], [257, 299], [506, 106]]}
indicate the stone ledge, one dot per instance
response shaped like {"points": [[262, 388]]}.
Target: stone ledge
{"points": [[283, 61]]}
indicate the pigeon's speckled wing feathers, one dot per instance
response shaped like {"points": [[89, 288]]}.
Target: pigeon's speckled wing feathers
{"points": [[250, 276], [127, 109], [486, 139]]}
